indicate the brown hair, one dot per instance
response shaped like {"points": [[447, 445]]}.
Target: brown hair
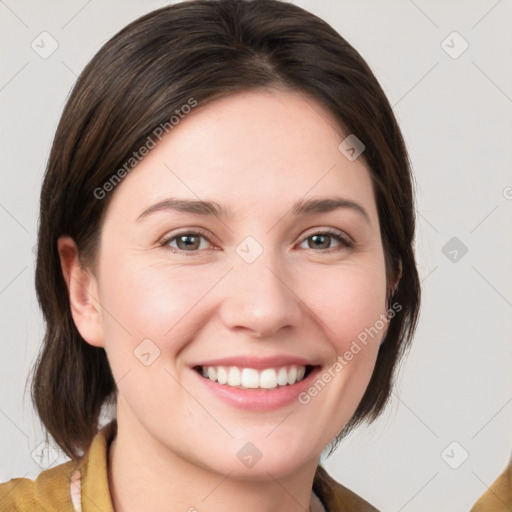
{"points": [[201, 49]]}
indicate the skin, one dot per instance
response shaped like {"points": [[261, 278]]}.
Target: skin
{"points": [[177, 442]]}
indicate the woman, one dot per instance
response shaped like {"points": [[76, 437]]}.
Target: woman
{"points": [[226, 255]]}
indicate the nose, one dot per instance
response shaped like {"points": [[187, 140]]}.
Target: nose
{"points": [[259, 298]]}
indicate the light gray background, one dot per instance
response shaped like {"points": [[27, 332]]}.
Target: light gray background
{"points": [[456, 115]]}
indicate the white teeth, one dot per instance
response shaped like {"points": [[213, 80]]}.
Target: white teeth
{"points": [[250, 378], [234, 378], [292, 375], [282, 377], [222, 375], [212, 373], [268, 379]]}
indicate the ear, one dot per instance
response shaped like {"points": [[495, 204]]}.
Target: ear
{"points": [[394, 286], [82, 291]]}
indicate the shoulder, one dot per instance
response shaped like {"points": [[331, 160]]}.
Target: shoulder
{"points": [[49, 492], [335, 496], [498, 497], [60, 488]]}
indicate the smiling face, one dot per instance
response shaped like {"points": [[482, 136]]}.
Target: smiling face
{"points": [[217, 318]]}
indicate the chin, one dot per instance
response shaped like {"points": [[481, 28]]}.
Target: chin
{"points": [[264, 459]]}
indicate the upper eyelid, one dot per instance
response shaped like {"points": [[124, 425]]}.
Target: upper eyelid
{"points": [[334, 231]]}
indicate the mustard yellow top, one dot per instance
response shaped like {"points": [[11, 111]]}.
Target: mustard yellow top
{"points": [[84, 487], [498, 498]]}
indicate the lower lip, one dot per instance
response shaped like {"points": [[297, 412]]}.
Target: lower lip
{"points": [[259, 399]]}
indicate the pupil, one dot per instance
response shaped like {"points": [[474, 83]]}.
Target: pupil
{"points": [[187, 241], [321, 238]]}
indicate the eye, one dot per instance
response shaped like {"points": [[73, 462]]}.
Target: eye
{"points": [[187, 241], [191, 241], [322, 240]]}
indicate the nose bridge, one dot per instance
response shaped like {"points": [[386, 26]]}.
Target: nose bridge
{"points": [[259, 297]]}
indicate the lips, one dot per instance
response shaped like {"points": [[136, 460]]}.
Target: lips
{"points": [[255, 384], [256, 373]]}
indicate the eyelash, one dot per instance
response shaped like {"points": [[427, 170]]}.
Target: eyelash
{"points": [[344, 243]]}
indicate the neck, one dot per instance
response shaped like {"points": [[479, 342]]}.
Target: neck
{"points": [[147, 476]]}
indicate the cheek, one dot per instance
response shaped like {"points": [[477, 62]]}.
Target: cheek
{"points": [[152, 302], [350, 303], [149, 310]]}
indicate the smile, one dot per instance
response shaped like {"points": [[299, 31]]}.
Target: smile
{"points": [[252, 378], [262, 389]]}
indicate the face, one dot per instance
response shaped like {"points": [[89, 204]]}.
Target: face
{"points": [[238, 322]]}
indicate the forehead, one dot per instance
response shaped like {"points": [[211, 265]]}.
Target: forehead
{"points": [[245, 150]]}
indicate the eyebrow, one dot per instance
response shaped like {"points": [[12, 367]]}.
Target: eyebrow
{"points": [[212, 209]]}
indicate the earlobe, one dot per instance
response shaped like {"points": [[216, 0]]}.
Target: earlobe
{"points": [[82, 293]]}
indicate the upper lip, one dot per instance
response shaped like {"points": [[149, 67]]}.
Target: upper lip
{"points": [[258, 362]]}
